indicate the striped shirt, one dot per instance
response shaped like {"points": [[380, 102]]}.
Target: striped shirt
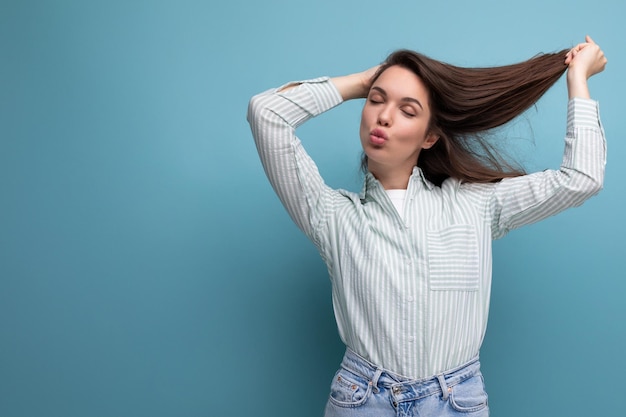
{"points": [[411, 293]]}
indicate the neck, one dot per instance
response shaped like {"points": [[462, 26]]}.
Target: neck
{"points": [[396, 178]]}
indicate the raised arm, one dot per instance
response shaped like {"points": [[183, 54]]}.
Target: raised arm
{"points": [[274, 116], [530, 198]]}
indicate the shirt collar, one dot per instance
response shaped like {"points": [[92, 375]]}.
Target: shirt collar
{"points": [[417, 178]]}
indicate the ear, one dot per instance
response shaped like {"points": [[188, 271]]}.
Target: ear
{"points": [[430, 140]]}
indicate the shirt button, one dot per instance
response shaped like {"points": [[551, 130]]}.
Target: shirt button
{"points": [[409, 299], [411, 339]]}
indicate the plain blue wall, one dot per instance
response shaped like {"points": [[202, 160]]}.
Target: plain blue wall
{"points": [[146, 267]]}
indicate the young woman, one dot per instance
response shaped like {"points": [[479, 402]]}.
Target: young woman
{"points": [[410, 257]]}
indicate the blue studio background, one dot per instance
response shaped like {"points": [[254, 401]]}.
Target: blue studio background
{"points": [[147, 268]]}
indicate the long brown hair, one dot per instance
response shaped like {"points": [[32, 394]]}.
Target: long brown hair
{"points": [[466, 102]]}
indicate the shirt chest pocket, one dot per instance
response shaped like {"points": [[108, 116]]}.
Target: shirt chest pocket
{"points": [[453, 258]]}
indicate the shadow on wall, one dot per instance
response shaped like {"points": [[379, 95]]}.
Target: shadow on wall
{"points": [[294, 335]]}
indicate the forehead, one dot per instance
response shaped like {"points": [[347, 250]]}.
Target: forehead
{"points": [[402, 82]]}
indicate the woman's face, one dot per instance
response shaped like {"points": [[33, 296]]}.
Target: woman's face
{"points": [[395, 120]]}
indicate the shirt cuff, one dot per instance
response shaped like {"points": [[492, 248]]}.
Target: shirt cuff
{"points": [[315, 96], [583, 112]]}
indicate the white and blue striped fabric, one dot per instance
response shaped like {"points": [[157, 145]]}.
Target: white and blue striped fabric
{"points": [[411, 294]]}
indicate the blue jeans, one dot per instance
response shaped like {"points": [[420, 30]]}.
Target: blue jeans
{"points": [[362, 389]]}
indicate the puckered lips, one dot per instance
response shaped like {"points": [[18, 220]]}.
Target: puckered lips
{"points": [[378, 137]]}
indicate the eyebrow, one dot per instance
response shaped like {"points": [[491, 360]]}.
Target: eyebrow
{"points": [[411, 99]]}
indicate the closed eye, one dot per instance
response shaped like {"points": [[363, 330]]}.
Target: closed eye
{"points": [[376, 99], [408, 111]]}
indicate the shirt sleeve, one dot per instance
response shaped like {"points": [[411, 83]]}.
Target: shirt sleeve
{"points": [[530, 198], [274, 116]]}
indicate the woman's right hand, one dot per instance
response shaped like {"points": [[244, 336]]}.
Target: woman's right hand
{"points": [[368, 77], [355, 85]]}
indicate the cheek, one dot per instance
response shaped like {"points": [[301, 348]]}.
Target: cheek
{"points": [[363, 127], [413, 134], [365, 115]]}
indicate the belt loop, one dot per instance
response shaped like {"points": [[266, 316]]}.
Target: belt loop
{"points": [[444, 387], [374, 381]]}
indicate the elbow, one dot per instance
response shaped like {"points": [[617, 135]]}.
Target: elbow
{"points": [[593, 183], [261, 118], [591, 190], [597, 187], [262, 112], [256, 108], [584, 186]]}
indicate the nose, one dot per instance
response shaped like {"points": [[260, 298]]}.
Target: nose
{"points": [[384, 117]]}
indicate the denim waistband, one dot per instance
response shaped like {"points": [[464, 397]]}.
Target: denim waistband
{"points": [[407, 389]]}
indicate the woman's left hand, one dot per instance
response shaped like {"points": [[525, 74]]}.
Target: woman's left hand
{"points": [[586, 59]]}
